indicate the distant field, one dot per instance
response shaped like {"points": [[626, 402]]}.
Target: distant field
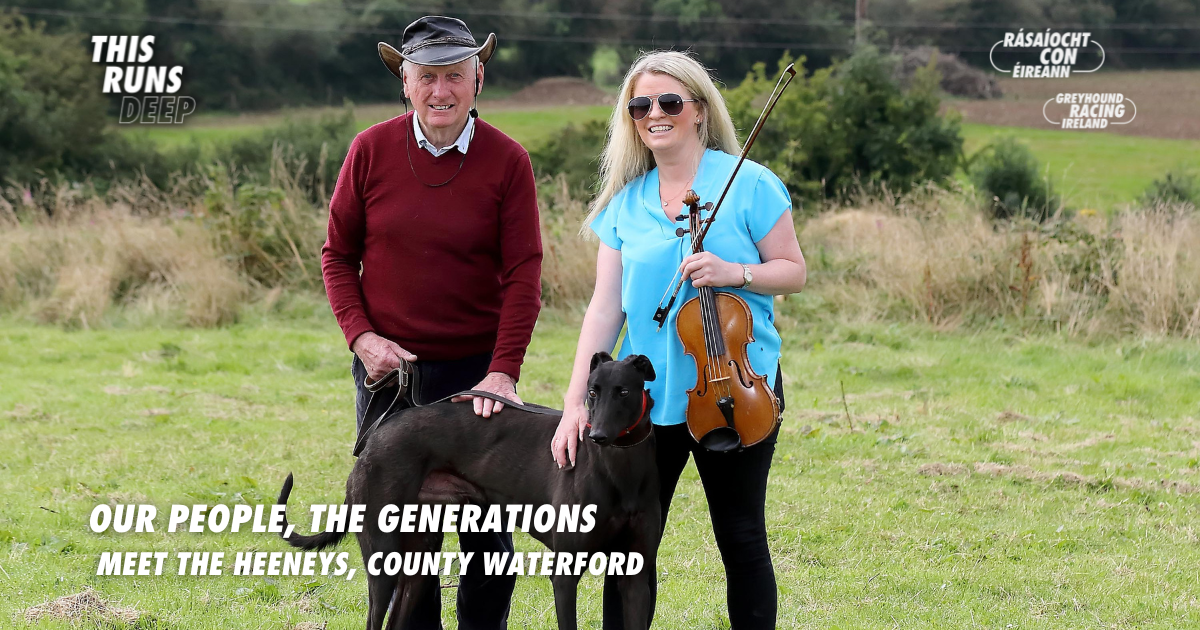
{"points": [[1098, 169], [1093, 169], [1166, 100]]}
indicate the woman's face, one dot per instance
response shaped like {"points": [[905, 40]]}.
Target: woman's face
{"points": [[659, 131]]}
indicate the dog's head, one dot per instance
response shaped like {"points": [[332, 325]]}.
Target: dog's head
{"points": [[616, 397]]}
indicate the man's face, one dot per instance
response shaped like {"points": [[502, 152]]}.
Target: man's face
{"points": [[442, 95]]}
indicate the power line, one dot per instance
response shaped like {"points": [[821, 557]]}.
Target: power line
{"points": [[522, 37], [605, 17], [381, 31]]}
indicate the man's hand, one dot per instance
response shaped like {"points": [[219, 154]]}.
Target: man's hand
{"points": [[497, 383], [379, 355]]}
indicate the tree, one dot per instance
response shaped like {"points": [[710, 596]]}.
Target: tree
{"points": [[52, 113]]}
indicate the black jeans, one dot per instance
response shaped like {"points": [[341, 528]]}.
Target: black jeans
{"points": [[735, 484], [483, 600]]}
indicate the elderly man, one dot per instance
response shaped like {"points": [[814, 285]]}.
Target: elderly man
{"points": [[439, 211]]}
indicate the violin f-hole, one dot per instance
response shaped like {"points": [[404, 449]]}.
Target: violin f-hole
{"points": [[741, 376]]}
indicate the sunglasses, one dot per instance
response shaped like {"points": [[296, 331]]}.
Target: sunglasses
{"points": [[670, 103]]}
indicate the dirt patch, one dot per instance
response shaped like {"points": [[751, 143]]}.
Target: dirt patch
{"points": [[1165, 99], [997, 470], [1011, 416], [555, 91], [88, 607], [309, 625], [1090, 442], [1068, 478], [941, 470]]}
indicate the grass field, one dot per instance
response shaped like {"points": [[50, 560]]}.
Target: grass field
{"points": [[979, 480]]}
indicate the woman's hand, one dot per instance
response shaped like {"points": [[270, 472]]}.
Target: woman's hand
{"points": [[569, 434], [706, 269]]}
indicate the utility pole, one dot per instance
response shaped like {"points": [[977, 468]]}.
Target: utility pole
{"points": [[860, 16]]}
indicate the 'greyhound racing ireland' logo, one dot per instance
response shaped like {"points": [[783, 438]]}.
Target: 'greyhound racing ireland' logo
{"points": [[1089, 110]]}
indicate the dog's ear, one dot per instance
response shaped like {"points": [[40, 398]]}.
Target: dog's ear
{"points": [[598, 358], [642, 363]]}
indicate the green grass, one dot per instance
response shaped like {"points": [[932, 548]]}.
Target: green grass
{"points": [[1094, 170], [1060, 506]]}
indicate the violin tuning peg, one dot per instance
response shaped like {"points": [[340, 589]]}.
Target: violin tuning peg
{"points": [[708, 206], [682, 217], [680, 231]]}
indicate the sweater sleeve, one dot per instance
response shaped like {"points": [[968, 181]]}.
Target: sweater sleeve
{"points": [[520, 268], [341, 256]]}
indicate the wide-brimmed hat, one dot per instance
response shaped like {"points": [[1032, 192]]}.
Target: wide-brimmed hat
{"points": [[435, 40]]}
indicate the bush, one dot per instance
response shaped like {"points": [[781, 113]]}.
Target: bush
{"points": [[1177, 187], [269, 228], [313, 148], [574, 153], [1010, 175], [851, 126]]}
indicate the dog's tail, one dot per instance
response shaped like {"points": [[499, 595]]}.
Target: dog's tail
{"points": [[316, 541]]}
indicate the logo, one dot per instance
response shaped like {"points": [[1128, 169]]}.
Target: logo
{"points": [[149, 90], [1058, 53], [1089, 110]]}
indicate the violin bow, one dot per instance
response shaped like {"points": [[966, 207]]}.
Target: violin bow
{"points": [[789, 73]]}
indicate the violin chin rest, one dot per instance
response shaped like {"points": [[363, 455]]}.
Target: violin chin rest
{"points": [[721, 439]]}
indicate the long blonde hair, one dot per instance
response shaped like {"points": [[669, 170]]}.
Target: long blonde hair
{"points": [[625, 157]]}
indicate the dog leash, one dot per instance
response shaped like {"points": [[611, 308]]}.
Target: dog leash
{"points": [[530, 407], [393, 375]]}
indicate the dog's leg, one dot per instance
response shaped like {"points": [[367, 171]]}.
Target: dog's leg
{"points": [[408, 609], [635, 601], [639, 591], [566, 593], [379, 597], [409, 590]]}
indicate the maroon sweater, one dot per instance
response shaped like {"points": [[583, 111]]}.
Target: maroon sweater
{"points": [[447, 272]]}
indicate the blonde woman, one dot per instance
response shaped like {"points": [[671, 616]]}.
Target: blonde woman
{"points": [[671, 132]]}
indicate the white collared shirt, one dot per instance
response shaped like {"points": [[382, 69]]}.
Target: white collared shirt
{"points": [[464, 138]]}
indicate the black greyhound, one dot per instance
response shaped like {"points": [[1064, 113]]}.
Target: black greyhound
{"points": [[444, 453]]}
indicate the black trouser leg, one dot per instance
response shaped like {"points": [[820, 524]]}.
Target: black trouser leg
{"points": [[483, 600], [736, 486]]}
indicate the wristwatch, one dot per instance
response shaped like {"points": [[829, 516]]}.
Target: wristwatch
{"points": [[747, 276]]}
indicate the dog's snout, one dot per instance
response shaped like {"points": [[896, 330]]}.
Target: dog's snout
{"points": [[599, 437]]}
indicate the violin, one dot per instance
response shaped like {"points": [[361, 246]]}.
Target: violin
{"points": [[731, 406]]}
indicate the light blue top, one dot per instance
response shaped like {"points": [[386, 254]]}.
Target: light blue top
{"points": [[635, 223]]}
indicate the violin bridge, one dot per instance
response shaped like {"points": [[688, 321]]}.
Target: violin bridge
{"points": [[715, 380]]}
